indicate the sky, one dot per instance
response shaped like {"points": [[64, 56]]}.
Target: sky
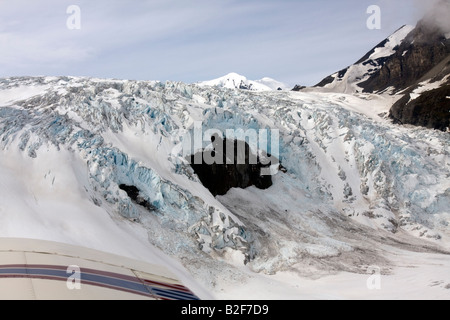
{"points": [[292, 41]]}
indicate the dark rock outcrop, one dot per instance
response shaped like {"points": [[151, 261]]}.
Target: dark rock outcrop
{"points": [[298, 88], [325, 81], [240, 170], [135, 194], [431, 109], [427, 59]]}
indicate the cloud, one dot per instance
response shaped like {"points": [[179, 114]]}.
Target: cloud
{"points": [[189, 41], [438, 15], [35, 39], [20, 49]]}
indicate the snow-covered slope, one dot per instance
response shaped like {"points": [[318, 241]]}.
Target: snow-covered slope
{"points": [[347, 80], [357, 188], [236, 81]]}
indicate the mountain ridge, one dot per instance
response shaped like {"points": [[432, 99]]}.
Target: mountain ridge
{"points": [[409, 59]]}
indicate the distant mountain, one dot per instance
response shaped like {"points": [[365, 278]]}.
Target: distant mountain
{"points": [[413, 64], [237, 81]]}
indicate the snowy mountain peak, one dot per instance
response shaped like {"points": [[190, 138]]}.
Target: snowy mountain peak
{"points": [[236, 81]]}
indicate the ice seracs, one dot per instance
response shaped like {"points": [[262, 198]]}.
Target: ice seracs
{"points": [[354, 184]]}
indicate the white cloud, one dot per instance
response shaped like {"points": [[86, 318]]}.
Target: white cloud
{"points": [[23, 50], [438, 15]]}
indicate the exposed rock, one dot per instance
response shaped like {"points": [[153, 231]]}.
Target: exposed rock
{"points": [[431, 109], [135, 194], [223, 173], [298, 88], [325, 81]]}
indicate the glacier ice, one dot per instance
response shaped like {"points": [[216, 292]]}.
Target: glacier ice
{"points": [[338, 159]]}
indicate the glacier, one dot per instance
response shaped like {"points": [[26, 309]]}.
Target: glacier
{"points": [[352, 178]]}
